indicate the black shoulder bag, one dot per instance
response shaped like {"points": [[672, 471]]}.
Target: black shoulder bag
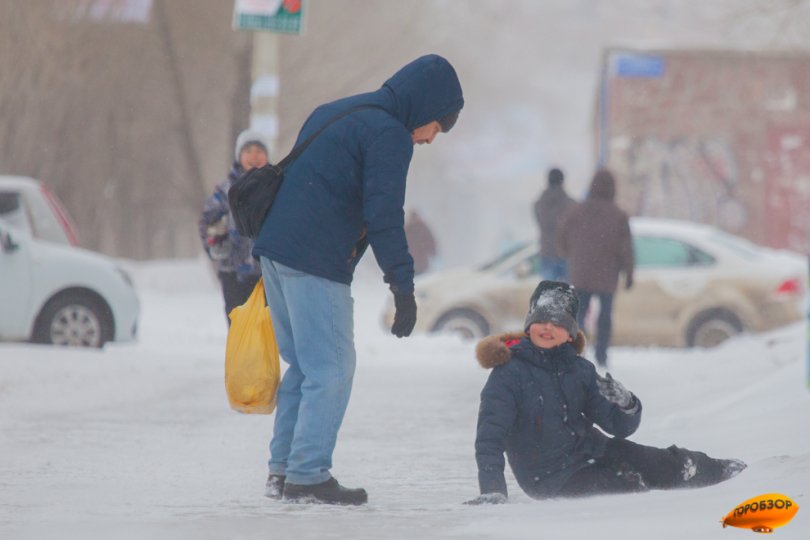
{"points": [[252, 194]]}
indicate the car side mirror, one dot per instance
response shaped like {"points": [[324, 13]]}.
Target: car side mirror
{"points": [[7, 242]]}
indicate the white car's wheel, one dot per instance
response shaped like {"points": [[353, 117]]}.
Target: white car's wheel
{"points": [[464, 322], [713, 328], [74, 320]]}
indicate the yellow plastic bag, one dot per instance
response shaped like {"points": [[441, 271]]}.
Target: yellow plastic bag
{"points": [[251, 357]]}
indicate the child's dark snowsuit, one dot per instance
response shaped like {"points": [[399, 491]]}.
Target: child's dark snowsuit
{"points": [[539, 406]]}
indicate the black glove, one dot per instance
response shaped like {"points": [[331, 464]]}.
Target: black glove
{"points": [[613, 391], [405, 316], [628, 281], [488, 498]]}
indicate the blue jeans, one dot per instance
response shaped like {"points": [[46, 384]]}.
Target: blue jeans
{"points": [[553, 268], [604, 324], [313, 319]]}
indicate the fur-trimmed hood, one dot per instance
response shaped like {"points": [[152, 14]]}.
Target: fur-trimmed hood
{"points": [[493, 351]]}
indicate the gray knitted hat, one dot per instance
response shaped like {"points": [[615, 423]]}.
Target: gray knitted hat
{"points": [[250, 136], [556, 302]]}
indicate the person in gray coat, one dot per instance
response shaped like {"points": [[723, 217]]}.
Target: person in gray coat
{"points": [[594, 238], [548, 210]]}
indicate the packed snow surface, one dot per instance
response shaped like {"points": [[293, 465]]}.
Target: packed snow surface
{"points": [[137, 440]]}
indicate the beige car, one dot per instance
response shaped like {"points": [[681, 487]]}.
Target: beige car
{"points": [[694, 286]]}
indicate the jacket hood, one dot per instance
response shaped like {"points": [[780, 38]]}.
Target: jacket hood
{"points": [[603, 186], [493, 351], [425, 90]]}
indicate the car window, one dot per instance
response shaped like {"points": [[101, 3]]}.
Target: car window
{"points": [[502, 257], [652, 251], [11, 210], [526, 268], [44, 221], [67, 229]]}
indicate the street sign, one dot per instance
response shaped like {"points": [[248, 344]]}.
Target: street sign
{"points": [[285, 16], [639, 65]]}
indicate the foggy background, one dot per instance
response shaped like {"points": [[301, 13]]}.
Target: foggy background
{"points": [[131, 118]]}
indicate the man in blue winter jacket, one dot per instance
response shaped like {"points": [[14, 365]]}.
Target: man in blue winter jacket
{"points": [[345, 192]]}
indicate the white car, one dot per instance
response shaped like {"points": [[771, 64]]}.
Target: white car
{"points": [[51, 290], [694, 286]]}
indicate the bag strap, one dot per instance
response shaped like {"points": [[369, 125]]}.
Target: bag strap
{"points": [[299, 148]]}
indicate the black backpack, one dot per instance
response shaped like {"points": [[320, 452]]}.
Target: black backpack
{"points": [[252, 195]]}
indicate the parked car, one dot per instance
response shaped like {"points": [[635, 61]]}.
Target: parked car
{"points": [[694, 286], [51, 290]]}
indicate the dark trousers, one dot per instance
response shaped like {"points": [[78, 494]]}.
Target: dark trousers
{"points": [[629, 467], [235, 292], [604, 324]]}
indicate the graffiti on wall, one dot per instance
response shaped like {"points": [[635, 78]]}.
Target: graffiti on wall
{"points": [[689, 178], [787, 197]]}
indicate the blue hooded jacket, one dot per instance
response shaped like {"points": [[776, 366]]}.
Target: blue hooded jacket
{"points": [[347, 189]]}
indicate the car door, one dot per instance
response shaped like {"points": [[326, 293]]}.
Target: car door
{"points": [[15, 272], [670, 275]]}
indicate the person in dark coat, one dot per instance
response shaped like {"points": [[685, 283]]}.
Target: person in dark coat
{"points": [[344, 193], [421, 243], [548, 209], [539, 406], [594, 238], [229, 251]]}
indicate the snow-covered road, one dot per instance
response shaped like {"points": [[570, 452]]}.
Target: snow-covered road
{"points": [[137, 441]]}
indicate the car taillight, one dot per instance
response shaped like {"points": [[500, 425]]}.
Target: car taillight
{"points": [[63, 217], [789, 286]]}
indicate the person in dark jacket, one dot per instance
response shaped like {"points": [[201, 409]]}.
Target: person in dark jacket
{"points": [[230, 252], [345, 192], [594, 238], [548, 210], [540, 404]]}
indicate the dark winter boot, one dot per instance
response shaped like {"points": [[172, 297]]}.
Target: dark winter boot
{"points": [[329, 492], [700, 470], [275, 486], [731, 468]]}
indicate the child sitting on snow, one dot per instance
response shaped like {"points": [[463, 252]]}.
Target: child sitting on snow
{"points": [[539, 406]]}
